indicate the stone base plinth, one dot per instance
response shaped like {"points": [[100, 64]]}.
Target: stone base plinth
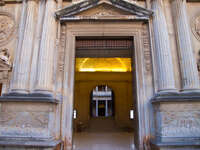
{"points": [[176, 122], [28, 144]]}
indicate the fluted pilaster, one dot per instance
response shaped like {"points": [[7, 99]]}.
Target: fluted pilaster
{"points": [[164, 66], [188, 66], [36, 49], [24, 61], [44, 82]]}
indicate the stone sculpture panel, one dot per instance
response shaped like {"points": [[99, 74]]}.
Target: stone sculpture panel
{"points": [[18, 122], [178, 120], [7, 27]]}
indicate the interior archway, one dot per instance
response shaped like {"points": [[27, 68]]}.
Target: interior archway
{"points": [[102, 102]]}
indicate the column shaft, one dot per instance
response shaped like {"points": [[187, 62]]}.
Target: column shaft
{"points": [[19, 46], [165, 72], [24, 63], [38, 33], [44, 83], [188, 66]]}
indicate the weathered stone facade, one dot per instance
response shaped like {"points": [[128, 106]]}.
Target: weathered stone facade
{"points": [[37, 54]]}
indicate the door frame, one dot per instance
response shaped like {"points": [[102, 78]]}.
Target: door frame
{"points": [[133, 29]]}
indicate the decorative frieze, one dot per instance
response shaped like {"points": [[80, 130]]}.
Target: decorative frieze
{"points": [[7, 27], [62, 49], [146, 48]]}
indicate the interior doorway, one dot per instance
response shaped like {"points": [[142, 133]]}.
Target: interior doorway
{"points": [[103, 93], [102, 101]]}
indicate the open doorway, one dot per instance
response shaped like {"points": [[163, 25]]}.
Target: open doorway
{"points": [[102, 102], [103, 93]]}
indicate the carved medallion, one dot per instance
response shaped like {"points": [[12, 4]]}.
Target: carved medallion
{"points": [[7, 27], [196, 27]]}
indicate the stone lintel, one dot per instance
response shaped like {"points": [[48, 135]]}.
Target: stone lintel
{"points": [[35, 97], [29, 143]]}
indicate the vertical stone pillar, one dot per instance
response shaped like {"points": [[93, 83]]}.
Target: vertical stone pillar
{"points": [[164, 66], [44, 81], [22, 73], [38, 34], [188, 65]]}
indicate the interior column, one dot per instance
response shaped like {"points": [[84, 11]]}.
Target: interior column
{"points": [[164, 65], [106, 110], [188, 65], [44, 79], [97, 113]]}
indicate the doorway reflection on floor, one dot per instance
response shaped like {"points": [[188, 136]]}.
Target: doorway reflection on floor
{"points": [[103, 134]]}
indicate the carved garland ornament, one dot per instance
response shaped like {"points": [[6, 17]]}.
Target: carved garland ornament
{"points": [[196, 27], [7, 27]]}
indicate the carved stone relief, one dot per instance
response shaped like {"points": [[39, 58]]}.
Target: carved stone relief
{"points": [[178, 120], [24, 123], [61, 49], [102, 11], [7, 27], [28, 122], [146, 48], [5, 65], [196, 27]]}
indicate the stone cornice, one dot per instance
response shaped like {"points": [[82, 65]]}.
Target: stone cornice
{"points": [[35, 97], [176, 97], [70, 12]]}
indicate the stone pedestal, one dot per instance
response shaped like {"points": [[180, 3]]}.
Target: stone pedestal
{"points": [[176, 122]]}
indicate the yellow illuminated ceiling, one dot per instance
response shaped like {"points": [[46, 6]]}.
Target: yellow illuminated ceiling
{"points": [[103, 64]]}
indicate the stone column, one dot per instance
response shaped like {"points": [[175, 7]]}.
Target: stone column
{"points": [[24, 61], [38, 34], [44, 81], [164, 66], [188, 65]]}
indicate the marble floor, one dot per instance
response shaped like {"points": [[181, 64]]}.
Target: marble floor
{"points": [[103, 135]]}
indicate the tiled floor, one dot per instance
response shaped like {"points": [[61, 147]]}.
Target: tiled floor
{"points": [[103, 139]]}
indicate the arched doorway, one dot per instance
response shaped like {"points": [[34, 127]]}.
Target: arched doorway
{"points": [[102, 101]]}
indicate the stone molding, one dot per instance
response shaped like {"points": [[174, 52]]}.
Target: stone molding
{"points": [[29, 142], [35, 97]]}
